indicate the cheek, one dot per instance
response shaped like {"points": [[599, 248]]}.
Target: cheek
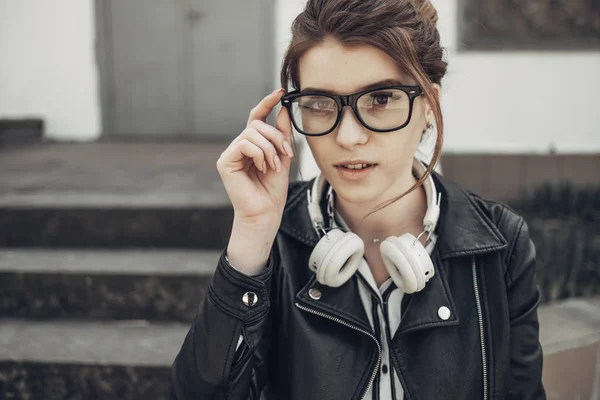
{"points": [[317, 146], [401, 144], [406, 140]]}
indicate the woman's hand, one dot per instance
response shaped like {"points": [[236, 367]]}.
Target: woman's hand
{"points": [[255, 167], [255, 172]]}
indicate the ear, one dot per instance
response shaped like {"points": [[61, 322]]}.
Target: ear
{"points": [[429, 115]]}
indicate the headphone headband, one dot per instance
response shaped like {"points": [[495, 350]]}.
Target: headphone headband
{"points": [[314, 209], [433, 198]]}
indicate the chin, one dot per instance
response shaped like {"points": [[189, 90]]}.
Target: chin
{"points": [[356, 198], [355, 192]]}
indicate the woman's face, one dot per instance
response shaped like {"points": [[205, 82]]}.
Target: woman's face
{"points": [[337, 69]]}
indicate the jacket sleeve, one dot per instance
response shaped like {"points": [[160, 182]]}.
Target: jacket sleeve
{"points": [[526, 357], [209, 364]]}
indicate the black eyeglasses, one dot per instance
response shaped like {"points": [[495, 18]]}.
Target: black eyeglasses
{"points": [[383, 109]]}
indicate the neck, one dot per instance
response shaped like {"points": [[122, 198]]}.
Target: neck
{"points": [[404, 215]]}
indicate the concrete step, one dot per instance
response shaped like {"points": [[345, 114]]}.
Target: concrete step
{"points": [[66, 227], [112, 175], [87, 360], [132, 359], [127, 284], [182, 228], [113, 195]]}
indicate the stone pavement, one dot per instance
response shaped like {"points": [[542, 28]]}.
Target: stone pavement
{"points": [[112, 174]]}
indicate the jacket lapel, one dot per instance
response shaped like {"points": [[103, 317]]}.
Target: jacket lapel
{"points": [[341, 304], [463, 228], [421, 310]]}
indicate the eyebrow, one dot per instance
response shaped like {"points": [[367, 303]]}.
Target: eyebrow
{"points": [[374, 85]]}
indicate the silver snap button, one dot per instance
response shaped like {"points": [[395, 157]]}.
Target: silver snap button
{"points": [[250, 299], [444, 313], [314, 294]]}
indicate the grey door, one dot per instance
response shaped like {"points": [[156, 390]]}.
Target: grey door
{"points": [[232, 64], [184, 67]]}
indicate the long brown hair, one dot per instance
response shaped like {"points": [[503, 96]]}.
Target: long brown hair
{"points": [[406, 30]]}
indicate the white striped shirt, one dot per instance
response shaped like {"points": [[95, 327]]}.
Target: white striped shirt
{"points": [[390, 321]]}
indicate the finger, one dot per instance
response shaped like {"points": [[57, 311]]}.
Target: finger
{"points": [[265, 145], [254, 152], [236, 154], [264, 108], [284, 124], [274, 135]]}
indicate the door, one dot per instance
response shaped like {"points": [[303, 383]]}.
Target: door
{"points": [[184, 67], [232, 66]]}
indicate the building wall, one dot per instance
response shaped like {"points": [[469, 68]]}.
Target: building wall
{"points": [[505, 102], [518, 102], [47, 66]]}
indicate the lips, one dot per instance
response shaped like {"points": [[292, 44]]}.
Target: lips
{"points": [[354, 172]]}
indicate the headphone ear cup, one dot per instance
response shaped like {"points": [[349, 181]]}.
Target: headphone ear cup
{"points": [[407, 262], [336, 257]]}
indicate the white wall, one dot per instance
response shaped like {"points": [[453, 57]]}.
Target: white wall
{"points": [[501, 102], [48, 67], [518, 102]]}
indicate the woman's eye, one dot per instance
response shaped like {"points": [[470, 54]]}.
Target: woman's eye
{"points": [[318, 105], [385, 99], [381, 98]]}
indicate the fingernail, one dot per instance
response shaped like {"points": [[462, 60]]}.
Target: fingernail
{"points": [[288, 148], [277, 91], [277, 163]]}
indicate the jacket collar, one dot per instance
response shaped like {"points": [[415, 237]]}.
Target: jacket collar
{"points": [[463, 229]]}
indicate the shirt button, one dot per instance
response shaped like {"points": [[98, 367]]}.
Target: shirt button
{"points": [[250, 299], [384, 369], [444, 313]]}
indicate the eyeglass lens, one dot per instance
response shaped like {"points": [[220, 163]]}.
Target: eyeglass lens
{"points": [[380, 109]]}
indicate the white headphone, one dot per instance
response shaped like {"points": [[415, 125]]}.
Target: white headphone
{"points": [[337, 255]]}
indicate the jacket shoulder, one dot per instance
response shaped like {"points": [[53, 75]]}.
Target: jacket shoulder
{"points": [[503, 215], [510, 223]]}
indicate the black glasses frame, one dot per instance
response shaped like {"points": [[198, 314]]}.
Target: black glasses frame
{"points": [[351, 100]]}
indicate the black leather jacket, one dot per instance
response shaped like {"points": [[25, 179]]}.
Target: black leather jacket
{"points": [[297, 347]]}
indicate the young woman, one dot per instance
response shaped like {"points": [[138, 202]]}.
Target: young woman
{"points": [[380, 279]]}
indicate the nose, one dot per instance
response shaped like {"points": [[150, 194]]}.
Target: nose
{"points": [[350, 132]]}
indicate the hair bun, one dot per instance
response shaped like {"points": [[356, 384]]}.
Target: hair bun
{"points": [[426, 9]]}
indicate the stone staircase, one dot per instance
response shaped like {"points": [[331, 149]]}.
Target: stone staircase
{"points": [[106, 250], [105, 253]]}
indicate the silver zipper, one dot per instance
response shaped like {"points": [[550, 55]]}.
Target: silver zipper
{"points": [[481, 331], [356, 328]]}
